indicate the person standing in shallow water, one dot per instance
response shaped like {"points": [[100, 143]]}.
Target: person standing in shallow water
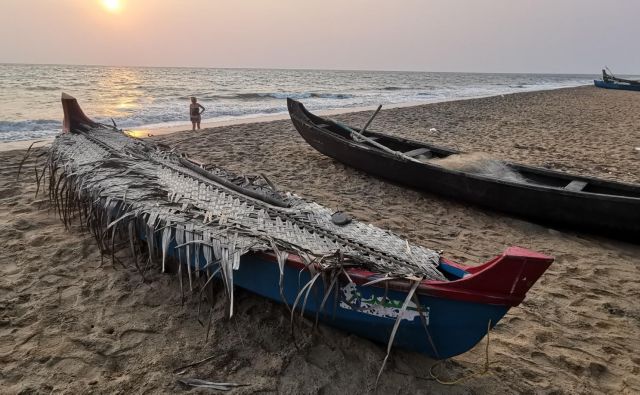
{"points": [[196, 114]]}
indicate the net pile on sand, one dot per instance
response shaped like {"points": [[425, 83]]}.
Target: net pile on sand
{"points": [[122, 186], [479, 163]]}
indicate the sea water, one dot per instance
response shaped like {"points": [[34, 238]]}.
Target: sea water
{"points": [[139, 97]]}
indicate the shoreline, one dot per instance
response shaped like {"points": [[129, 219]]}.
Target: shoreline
{"points": [[245, 120], [155, 130]]}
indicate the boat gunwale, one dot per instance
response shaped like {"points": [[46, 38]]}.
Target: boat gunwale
{"points": [[435, 288]]}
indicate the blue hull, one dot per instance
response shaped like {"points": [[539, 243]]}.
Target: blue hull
{"points": [[614, 85], [454, 326]]}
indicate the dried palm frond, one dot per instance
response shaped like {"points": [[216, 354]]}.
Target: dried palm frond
{"points": [[111, 178]]}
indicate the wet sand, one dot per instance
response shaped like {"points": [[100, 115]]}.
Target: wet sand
{"points": [[72, 322]]}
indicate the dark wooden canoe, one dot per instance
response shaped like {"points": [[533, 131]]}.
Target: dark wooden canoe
{"points": [[546, 196]]}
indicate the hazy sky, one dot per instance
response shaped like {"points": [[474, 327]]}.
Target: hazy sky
{"points": [[557, 36]]}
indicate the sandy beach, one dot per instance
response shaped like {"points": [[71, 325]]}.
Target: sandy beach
{"points": [[72, 322]]}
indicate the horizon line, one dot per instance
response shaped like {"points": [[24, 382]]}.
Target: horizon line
{"points": [[300, 69]]}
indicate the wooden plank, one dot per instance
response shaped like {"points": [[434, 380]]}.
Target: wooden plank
{"points": [[360, 138], [370, 119], [576, 186]]}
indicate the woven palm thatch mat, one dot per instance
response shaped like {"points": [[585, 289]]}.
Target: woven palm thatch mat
{"points": [[125, 189]]}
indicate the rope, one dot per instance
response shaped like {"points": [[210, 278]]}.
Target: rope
{"points": [[473, 374]]}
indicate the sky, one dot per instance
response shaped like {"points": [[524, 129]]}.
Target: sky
{"points": [[537, 36]]}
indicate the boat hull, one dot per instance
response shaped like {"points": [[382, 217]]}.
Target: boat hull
{"points": [[448, 319], [615, 216], [438, 326], [450, 327], [615, 85]]}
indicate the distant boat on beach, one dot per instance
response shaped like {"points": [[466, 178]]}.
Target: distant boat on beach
{"points": [[542, 195], [609, 81]]}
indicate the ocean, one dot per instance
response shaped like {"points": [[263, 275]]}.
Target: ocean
{"points": [[152, 97]]}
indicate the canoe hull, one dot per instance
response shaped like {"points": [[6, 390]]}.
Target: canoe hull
{"points": [[438, 326], [449, 319], [454, 326], [615, 216], [615, 85]]}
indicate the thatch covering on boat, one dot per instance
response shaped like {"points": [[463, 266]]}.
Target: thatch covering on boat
{"points": [[125, 186]]}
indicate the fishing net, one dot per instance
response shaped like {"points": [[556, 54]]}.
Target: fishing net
{"points": [[479, 163]]}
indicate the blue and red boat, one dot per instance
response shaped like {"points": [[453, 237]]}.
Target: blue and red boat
{"points": [[441, 317], [450, 317]]}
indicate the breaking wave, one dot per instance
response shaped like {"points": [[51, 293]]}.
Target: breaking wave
{"points": [[42, 88], [25, 130], [293, 95], [30, 125], [154, 96]]}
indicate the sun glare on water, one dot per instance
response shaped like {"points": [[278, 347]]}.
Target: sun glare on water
{"points": [[112, 5]]}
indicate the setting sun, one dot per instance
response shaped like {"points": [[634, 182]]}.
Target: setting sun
{"points": [[112, 5]]}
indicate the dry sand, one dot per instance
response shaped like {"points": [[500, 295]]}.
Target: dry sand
{"points": [[69, 323]]}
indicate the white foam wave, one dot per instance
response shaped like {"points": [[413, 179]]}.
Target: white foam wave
{"points": [[158, 96]]}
